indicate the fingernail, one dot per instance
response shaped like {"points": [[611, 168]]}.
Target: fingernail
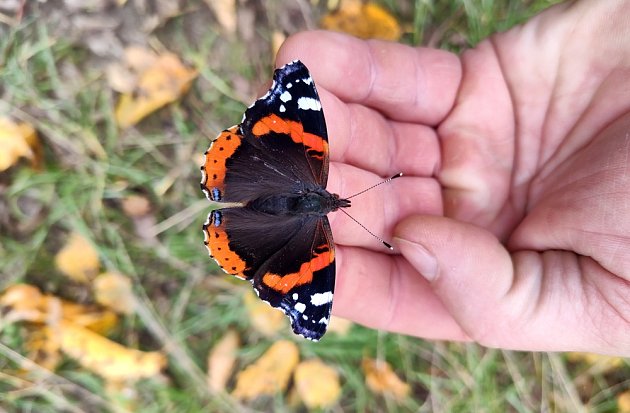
{"points": [[421, 258]]}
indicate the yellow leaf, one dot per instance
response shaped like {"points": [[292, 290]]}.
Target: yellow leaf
{"points": [[18, 140], [623, 402], [225, 11], [264, 318], [113, 290], [221, 361], [277, 38], [317, 384], [380, 378], [43, 348], [23, 302], [109, 359], [270, 374], [161, 80], [602, 363], [78, 259], [367, 21], [340, 325]]}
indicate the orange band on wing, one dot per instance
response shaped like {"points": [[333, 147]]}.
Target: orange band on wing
{"points": [[274, 123], [214, 167], [285, 283], [219, 249]]}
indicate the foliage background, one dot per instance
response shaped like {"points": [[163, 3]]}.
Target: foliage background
{"points": [[53, 60]]}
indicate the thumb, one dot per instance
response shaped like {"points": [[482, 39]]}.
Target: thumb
{"points": [[467, 267]]}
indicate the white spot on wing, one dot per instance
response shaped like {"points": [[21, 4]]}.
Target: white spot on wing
{"points": [[324, 321], [295, 296], [306, 103], [289, 85], [321, 298], [282, 108], [308, 80], [286, 96], [300, 307]]}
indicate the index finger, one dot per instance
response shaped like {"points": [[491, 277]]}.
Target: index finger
{"points": [[404, 83]]}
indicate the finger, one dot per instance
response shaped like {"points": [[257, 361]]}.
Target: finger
{"points": [[527, 301], [362, 137], [482, 169], [380, 208], [405, 83], [385, 292]]}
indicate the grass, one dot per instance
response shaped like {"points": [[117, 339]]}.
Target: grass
{"points": [[55, 82]]}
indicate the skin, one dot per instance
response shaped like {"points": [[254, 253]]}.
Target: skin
{"points": [[511, 226]]}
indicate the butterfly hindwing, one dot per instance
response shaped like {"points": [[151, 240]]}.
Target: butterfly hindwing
{"points": [[300, 279]]}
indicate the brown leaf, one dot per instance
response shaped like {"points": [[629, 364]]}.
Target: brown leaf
{"points": [[136, 205], [113, 291], [270, 374], [317, 384], [78, 259], [221, 361], [367, 21], [380, 378], [18, 140], [162, 80], [264, 318]]}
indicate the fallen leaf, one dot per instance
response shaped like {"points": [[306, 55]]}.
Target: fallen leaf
{"points": [[120, 78], [381, 379], [367, 21], [18, 140], [43, 348], [221, 361], [270, 374], [225, 12], [139, 59], [623, 402], [161, 80], [340, 325], [317, 384], [264, 318], [277, 38], [24, 302], [107, 358], [136, 206], [78, 259], [113, 291], [601, 363]]}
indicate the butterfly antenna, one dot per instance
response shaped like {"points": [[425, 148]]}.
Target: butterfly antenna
{"points": [[388, 245], [398, 175]]}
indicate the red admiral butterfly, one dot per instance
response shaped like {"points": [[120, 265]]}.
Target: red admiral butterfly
{"points": [[275, 164]]}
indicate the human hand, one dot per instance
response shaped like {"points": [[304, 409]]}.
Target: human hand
{"points": [[512, 222]]}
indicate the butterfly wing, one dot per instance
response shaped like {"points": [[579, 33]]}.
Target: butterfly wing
{"points": [[281, 145], [300, 279], [292, 267]]}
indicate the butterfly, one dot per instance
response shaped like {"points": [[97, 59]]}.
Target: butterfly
{"points": [[274, 165]]}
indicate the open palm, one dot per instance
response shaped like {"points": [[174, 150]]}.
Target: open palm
{"points": [[512, 223]]}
